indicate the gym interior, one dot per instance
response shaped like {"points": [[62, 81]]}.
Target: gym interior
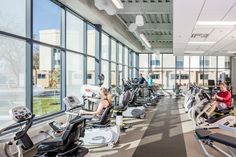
{"points": [[117, 78]]}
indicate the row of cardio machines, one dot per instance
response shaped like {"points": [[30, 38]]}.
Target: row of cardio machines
{"points": [[71, 138], [220, 128]]}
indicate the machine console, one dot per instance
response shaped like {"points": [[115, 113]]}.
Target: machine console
{"points": [[20, 113]]}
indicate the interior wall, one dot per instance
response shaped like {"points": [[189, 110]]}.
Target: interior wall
{"points": [[233, 78]]}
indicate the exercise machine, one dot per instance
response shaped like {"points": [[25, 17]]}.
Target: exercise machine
{"points": [[99, 131]]}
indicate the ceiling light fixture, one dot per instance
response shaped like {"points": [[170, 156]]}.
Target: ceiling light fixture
{"points": [[142, 36], [193, 52], [118, 4], [139, 21], [201, 42], [216, 23], [231, 52], [132, 27]]}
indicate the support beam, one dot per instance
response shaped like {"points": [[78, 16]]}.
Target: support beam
{"points": [[162, 45], [156, 26], [159, 37], [147, 8]]}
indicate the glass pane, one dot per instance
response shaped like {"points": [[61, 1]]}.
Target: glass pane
{"points": [[120, 53], [126, 72], [182, 62], [223, 62], [90, 70], [91, 40], [156, 75], [47, 22], [194, 62], [105, 72], [120, 74], [143, 60], [74, 74], [196, 76], [209, 74], [113, 50], [13, 16], [126, 56], [168, 78], [113, 74], [105, 46], [210, 62], [130, 73], [12, 76], [74, 32], [134, 59], [223, 75], [46, 78], [182, 77], [155, 61], [168, 61]]}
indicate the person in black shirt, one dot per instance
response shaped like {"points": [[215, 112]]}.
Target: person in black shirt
{"points": [[141, 79]]}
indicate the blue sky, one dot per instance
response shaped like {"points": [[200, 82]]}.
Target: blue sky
{"points": [[46, 15]]}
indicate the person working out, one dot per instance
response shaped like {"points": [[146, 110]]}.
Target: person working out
{"points": [[222, 100], [141, 79], [105, 102]]}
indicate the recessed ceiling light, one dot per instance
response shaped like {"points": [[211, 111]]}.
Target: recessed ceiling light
{"points": [[118, 4], [216, 23], [231, 52], [201, 42], [193, 52]]}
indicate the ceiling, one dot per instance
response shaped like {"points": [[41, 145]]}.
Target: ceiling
{"points": [[158, 21], [222, 38]]}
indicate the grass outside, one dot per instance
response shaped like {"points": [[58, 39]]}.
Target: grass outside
{"points": [[46, 105]]}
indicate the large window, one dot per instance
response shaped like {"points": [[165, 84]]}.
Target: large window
{"points": [[168, 79], [46, 90], [12, 75], [143, 60], [74, 74], [113, 74], [90, 40], [168, 61], [113, 50], [105, 72], [105, 47], [120, 74], [120, 53], [74, 32], [46, 22], [13, 16], [90, 70]]}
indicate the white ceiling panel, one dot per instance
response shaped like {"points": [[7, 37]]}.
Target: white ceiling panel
{"points": [[215, 10], [231, 14], [223, 41], [218, 34], [185, 14]]}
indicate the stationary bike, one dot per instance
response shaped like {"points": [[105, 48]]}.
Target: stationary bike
{"points": [[98, 131]]}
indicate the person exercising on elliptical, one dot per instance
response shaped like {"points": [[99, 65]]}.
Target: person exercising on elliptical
{"points": [[105, 102], [222, 100]]}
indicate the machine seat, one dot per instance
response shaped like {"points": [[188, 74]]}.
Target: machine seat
{"points": [[104, 120], [74, 130], [223, 139], [202, 133]]}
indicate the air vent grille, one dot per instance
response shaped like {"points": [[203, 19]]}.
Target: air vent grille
{"points": [[199, 35]]}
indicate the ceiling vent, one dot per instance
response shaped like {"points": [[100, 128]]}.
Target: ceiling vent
{"points": [[199, 35]]}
